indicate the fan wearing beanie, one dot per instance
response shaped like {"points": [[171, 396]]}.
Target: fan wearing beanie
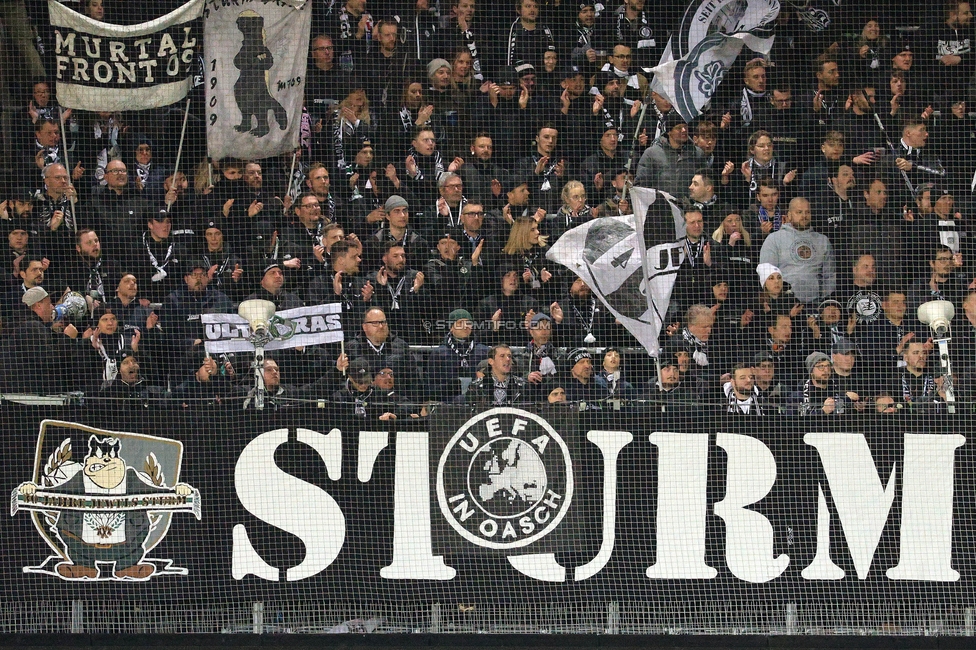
{"points": [[775, 294]]}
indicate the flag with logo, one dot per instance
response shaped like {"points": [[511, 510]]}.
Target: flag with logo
{"points": [[256, 54], [629, 262], [711, 35], [105, 67]]}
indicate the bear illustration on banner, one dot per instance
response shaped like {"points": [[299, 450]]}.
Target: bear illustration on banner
{"points": [[251, 90], [101, 516]]}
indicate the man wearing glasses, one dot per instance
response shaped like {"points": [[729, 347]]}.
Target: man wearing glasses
{"points": [[816, 394], [118, 206], [327, 85]]}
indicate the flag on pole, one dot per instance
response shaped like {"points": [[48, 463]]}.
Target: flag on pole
{"points": [[711, 36], [105, 67], [256, 56], [629, 262]]}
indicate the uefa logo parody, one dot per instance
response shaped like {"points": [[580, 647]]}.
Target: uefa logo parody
{"points": [[505, 479]]}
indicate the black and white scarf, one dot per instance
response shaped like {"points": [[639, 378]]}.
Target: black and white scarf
{"points": [[513, 38], [748, 406], [461, 347], [541, 356], [700, 354], [745, 106]]}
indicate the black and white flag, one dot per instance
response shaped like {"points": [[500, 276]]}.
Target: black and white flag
{"points": [[256, 55], [314, 325], [105, 67], [607, 254], [711, 36]]}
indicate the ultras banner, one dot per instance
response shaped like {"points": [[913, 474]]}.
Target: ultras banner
{"points": [[104, 67], [222, 506], [256, 54]]}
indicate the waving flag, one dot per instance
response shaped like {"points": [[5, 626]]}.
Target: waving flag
{"points": [[712, 34], [629, 262]]}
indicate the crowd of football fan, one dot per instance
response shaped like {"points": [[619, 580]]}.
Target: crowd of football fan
{"points": [[826, 195]]}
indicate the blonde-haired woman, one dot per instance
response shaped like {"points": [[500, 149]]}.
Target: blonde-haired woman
{"points": [[525, 249]]}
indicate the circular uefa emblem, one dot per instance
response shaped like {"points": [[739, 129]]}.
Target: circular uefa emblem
{"points": [[505, 479]]}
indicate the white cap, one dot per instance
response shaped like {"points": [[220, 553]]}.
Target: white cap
{"points": [[765, 270]]}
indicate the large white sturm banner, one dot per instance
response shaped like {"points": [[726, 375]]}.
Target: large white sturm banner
{"points": [[256, 58], [104, 67]]}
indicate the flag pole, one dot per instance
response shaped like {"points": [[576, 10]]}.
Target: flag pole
{"points": [[291, 179], [635, 141], [179, 150], [67, 167]]}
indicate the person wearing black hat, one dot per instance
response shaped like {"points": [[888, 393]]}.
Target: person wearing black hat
{"points": [[936, 221], [109, 340], [451, 277], [611, 376], [264, 249], [499, 113], [671, 161], [597, 170], [180, 318], [672, 394], [848, 378], [451, 366], [18, 235], [580, 37], [518, 196], [580, 384], [147, 174], [130, 383], [359, 397], [273, 290]]}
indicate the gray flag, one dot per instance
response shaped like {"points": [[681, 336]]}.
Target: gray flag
{"points": [[629, 262], [256, 56]]}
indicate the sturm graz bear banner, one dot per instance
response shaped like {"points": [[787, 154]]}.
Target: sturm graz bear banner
{"points": [[256, 55], [513, 505], [103, 67]]}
